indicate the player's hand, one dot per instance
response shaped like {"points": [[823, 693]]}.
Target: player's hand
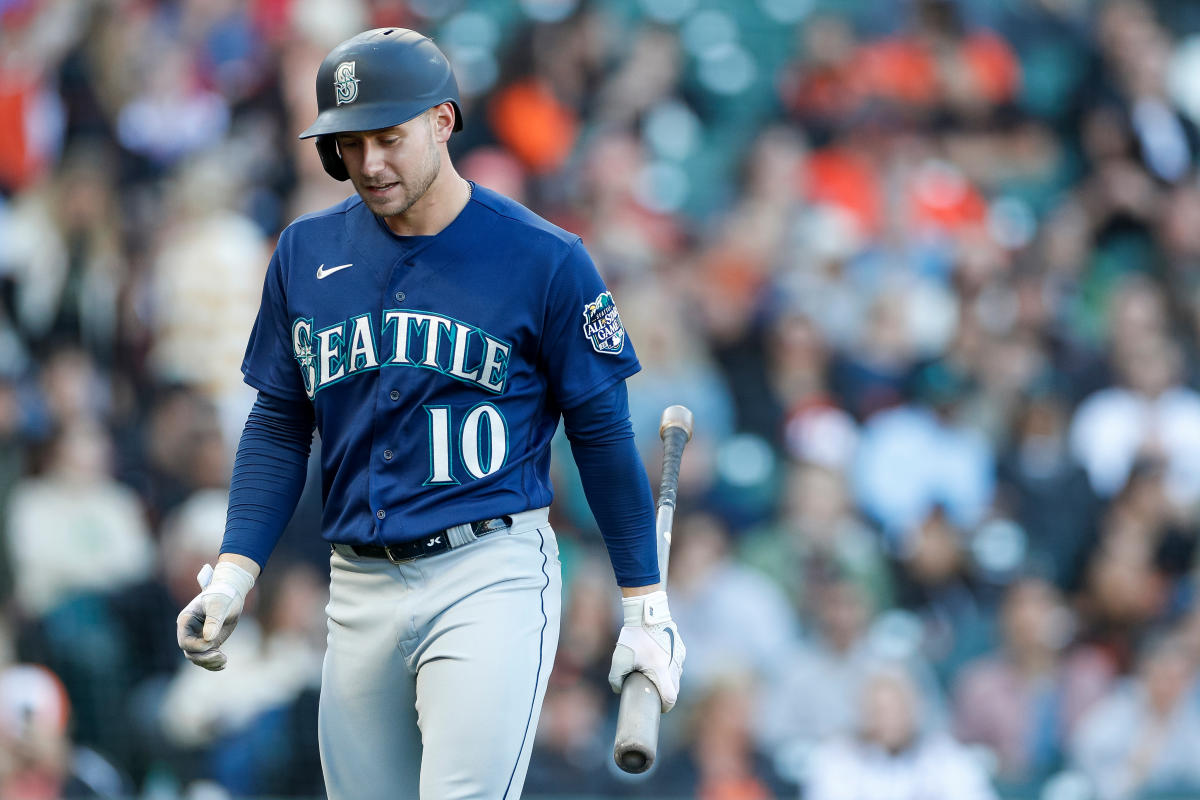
{"points": [[650, 643], [206, 622]]}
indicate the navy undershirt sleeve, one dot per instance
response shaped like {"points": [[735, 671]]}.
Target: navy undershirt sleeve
{"points": [[615, 482], [268, 475]]}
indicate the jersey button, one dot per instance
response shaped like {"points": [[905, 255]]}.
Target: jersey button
{"points": [[387, 455], [394, 394], [381, 513], [400, 297]]}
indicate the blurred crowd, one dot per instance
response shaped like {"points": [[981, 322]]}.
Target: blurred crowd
{"points": [[926, 271]]}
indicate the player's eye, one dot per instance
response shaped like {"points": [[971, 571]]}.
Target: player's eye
{"points": [[347, 144], [389, 141]]}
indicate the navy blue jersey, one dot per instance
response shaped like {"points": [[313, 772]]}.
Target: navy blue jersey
{"points": [[437, 366]]}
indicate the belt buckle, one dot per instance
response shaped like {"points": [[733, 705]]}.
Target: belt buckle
{"points": [[486, 526], [387, 551]]}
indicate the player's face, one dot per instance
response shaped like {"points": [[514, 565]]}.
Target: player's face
{"points": [[392, 168]]}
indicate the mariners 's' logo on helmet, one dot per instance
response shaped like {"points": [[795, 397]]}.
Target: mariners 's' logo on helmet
{"points": [[345, 82], [602, 325]]}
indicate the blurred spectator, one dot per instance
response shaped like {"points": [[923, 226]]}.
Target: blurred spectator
{"points": [[63, 254], [1024, 700], [1151, 414], [172, 114], [625, 235], [1131, 569], [75, 536], [14, 434], [1143, 736], [741, 620], [675, 369], [497, 169], [815, 428], [719, 759], [870, 374], [30, 109], [1135, 50], [73, 529], [817, 538], [938, 581], [893, 754], [1047, 491], [37, 759], [824, 88], [181, 420], [812, 692], [915, 459], [73, 388], [207, 281]]}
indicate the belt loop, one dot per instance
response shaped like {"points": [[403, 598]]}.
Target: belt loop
{"points": [[460, 535]]}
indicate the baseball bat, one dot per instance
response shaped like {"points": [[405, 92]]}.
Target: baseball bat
{"points": [[636, 742]]}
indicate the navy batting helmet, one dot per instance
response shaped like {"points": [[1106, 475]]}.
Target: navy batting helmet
{"points": [[378, 79]]}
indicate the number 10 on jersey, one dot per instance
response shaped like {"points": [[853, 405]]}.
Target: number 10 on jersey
{"points": [[482, 442]]}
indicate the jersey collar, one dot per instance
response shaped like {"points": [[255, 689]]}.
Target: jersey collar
{"points": [[379, 246]]}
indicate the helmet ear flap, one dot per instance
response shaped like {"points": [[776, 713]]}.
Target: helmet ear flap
{"points": [[331, 159]]}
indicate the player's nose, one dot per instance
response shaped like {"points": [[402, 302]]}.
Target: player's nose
{"points": [[373, 162]]}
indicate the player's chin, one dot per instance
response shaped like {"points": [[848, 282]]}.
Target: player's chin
{"points": [[383, 206]]}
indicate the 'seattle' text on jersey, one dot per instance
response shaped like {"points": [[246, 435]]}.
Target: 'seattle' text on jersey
{"points": [[406, 338]]}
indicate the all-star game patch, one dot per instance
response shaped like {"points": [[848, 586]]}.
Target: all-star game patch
{"points": [[602, 325]]}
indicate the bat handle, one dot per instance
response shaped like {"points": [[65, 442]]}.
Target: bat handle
{"points": [[636, 744], [676, 432]]}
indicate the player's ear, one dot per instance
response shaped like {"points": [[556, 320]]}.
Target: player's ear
{"points": [[441, 119]]}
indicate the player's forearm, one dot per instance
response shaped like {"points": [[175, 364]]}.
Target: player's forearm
{"points": [[616, 486], [268, 477]]}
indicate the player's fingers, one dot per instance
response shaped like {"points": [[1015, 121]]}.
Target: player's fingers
{"points": [[668, 689], [189, 624], [216, 609], [680, 653], [668, 698], [196, 648], [212, 627], [211, 659], [622, 665]]}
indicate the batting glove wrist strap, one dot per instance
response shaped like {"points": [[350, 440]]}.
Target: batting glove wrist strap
{"points": [[230, 579], [646, 609]]}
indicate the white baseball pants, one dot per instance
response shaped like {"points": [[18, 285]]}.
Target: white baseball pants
{"points": [[436, 668]]}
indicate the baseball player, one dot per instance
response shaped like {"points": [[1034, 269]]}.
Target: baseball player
{"points": [[434, 332]]}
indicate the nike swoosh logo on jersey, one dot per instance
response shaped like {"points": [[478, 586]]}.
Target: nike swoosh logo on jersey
{"points": [[324, 273]]}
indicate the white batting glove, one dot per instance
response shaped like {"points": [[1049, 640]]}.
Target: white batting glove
{"points": [[204, 625], [650, 643]]}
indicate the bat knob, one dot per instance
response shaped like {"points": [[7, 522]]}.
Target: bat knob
{"points": [[634, 762], [676, 417]]}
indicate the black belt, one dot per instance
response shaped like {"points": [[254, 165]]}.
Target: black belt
{"points": [[432, 544]]}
